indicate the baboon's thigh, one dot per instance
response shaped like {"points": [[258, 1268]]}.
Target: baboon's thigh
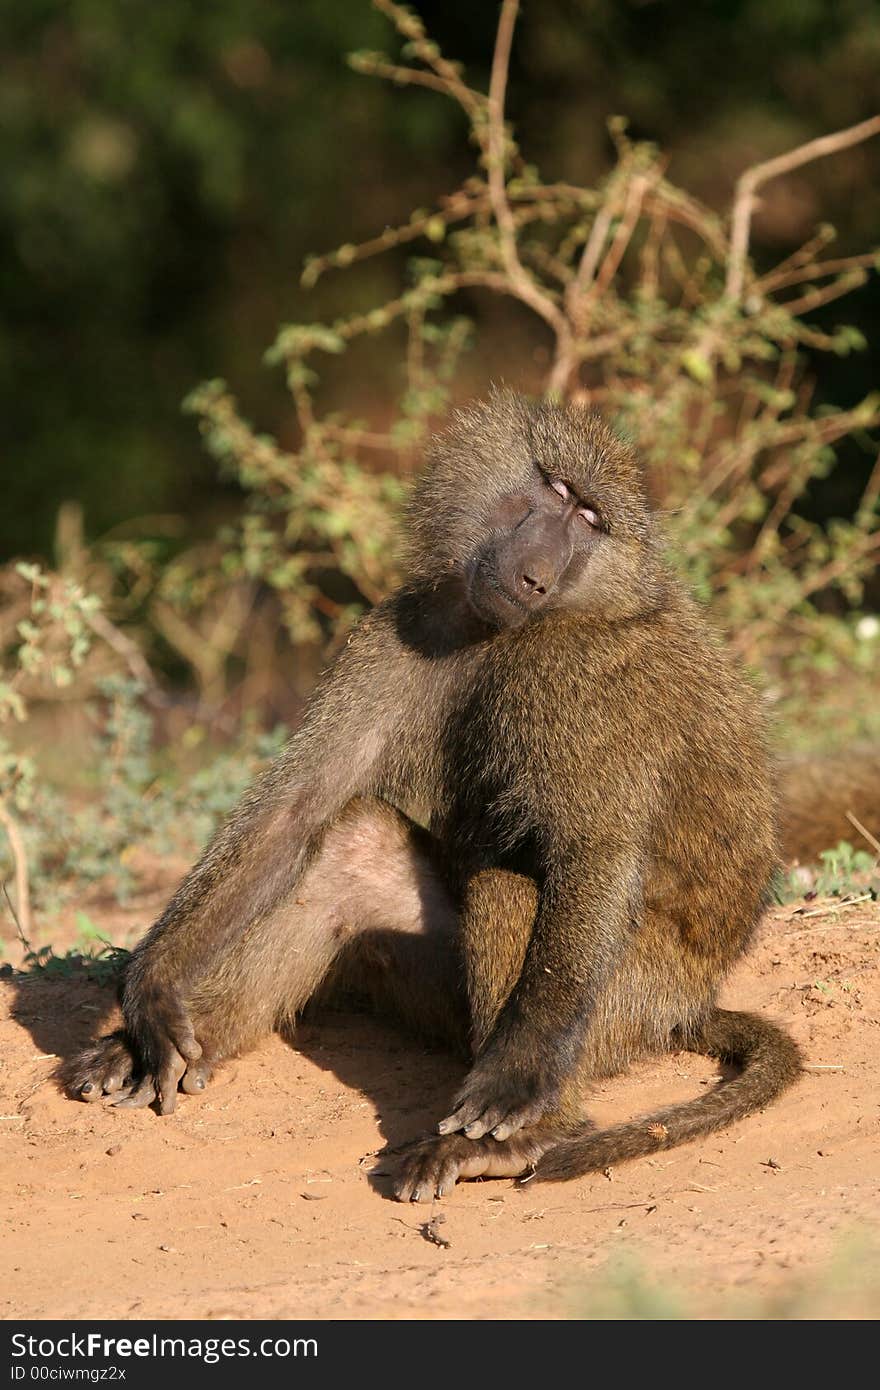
{"points": [[400, 956], [371, 909]]}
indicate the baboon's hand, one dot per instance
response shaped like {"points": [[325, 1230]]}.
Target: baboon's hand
{"points": [[163, 1034], [499, 1100]]}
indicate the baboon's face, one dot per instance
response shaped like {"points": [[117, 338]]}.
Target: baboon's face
{"points": [[531, 507], [539, 541]]}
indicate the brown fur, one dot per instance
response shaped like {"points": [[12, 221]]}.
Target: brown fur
{"points": [[600, 826], [816, 794]]}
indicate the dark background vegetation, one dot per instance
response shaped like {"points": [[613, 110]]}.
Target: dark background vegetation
{"points": [[166, 168]]}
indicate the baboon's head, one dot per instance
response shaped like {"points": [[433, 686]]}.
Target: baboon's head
{"points": [[535, 507]]}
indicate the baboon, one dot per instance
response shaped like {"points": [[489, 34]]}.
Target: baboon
{"points": [[530, 812]]}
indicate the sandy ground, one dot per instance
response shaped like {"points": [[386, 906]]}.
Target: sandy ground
{"points": [[256, 1200]]}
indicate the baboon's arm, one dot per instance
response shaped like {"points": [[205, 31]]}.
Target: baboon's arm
{"points": [[582, 921], [258, 855]]}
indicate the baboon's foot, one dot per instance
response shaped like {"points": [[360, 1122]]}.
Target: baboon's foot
{"points": [[108, 1069], [432, 1167]]}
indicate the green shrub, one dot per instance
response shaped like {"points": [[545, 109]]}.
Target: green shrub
{"points": [[646, 306]]}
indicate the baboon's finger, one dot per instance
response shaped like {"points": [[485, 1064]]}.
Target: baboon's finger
{"points": [[117, 1078], [171, 1074], [483, 1123], [143, 1095], [185, 1041], [196, 1077], [460, 1118]]}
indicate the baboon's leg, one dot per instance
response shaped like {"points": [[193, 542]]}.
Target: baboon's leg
{"points": [[497, 921], [376, 876], [445, 985], [416, 976], [646, 1001], [374, 899], [412, 977]]}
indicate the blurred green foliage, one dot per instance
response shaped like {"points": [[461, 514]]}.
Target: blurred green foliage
{"points": [[842, 872], [844, 1287], [167, 168]]}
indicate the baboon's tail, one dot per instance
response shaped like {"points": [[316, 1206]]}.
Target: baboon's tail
{"points": [[817, 792], [770, 1062]]}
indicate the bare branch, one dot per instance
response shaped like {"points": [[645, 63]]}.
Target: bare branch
{"points": [[872, 839], [19, 860], [779, 279], [589, 262], [622, 237], [455, 208], [412, 28], [853, 280], [408, 77], [523, 285], [689, 212], [124, 647], [870, 495], [754, 178]]}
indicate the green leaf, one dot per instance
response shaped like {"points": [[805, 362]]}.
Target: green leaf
{"points": [[697, 366]]}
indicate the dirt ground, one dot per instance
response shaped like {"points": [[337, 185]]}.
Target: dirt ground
{"points": [[256, 1201]]}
